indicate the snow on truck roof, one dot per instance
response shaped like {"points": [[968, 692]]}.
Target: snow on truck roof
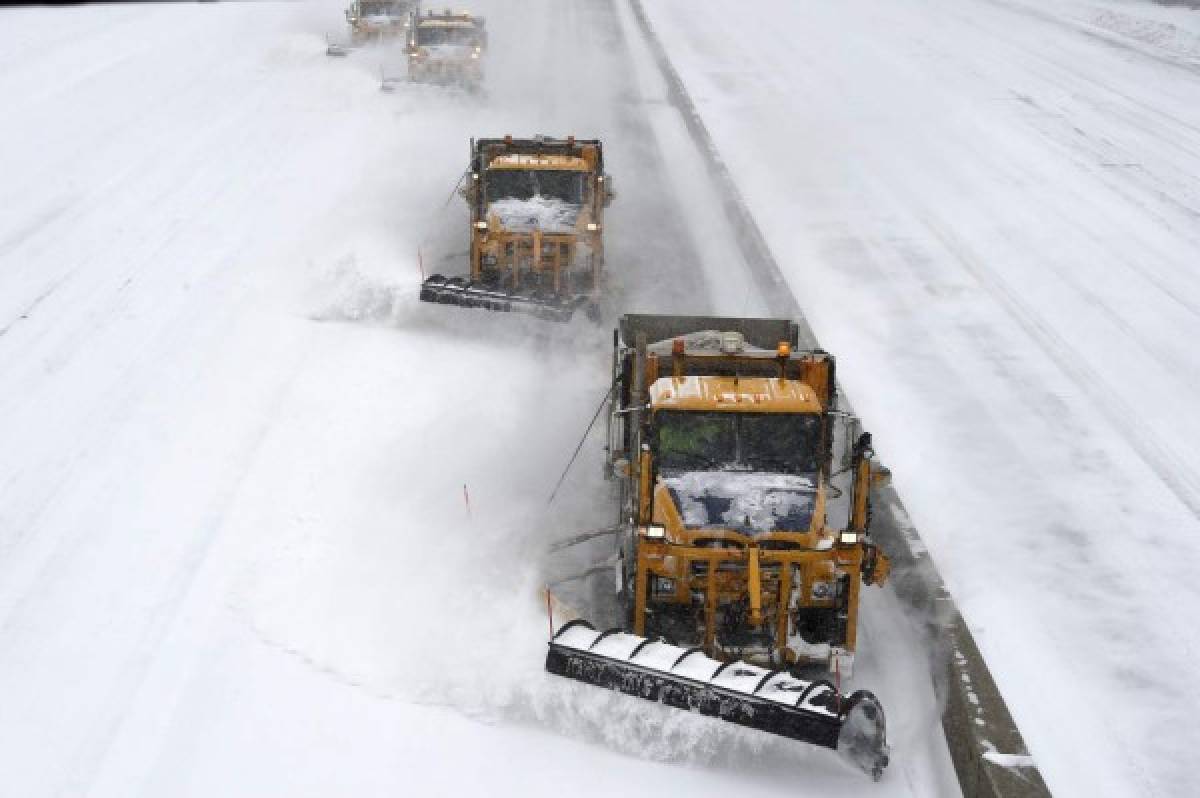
{"points": [[729, 394], [518, 160]]}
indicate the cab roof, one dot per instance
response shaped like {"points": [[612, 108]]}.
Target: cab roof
{"points": [[734, 395], [517, 160]]}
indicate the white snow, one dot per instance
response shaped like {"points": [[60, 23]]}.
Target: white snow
{"points": [[988, 209], [753, 501], [1009, 760]]}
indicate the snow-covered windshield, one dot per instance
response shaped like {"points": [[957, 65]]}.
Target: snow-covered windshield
{"points": [[777, 442], [525, 184], [745, 501], [429, 35], [548, 214]]}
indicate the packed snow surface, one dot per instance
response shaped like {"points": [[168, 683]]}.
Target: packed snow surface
{"points": [[547, 214], [268, 526]]}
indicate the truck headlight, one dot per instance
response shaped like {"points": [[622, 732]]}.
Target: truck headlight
{"points": [[481, 225], [474, 55], [592, 227], [656, 532], [848, 538]]}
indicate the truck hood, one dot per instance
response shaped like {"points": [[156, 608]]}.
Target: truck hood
{"points": [[547, 214], [750, 502]]}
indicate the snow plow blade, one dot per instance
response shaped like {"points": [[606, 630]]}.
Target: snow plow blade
{"points": [[464, 293], [771, 701]]}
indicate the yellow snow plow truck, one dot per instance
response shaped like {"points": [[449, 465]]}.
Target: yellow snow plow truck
{"points": [[537, 223], [376, 21], [738, 590], [447, 48]]}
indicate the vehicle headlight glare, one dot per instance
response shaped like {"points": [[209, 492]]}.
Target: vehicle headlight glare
{"points": [[656, 532]]}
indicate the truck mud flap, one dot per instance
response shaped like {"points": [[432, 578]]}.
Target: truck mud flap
{"points": [[771, 701], [463, 293]]}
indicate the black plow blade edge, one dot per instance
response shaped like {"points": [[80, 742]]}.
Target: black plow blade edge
{"points": [[463, 293], [770, 701]]}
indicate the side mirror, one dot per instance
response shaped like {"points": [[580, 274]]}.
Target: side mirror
{"points": [[609, 194], [620, 468], [850, 429]]}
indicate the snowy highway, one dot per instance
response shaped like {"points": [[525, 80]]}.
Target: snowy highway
{"points": [[235, 556], [991, 212], [270, 527]]}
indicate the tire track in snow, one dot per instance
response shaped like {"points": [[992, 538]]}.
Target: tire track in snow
{"points": [[1173, 472]]}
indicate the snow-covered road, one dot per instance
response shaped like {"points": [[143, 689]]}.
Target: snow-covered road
{"points": [[990, 209], [235, 556]]}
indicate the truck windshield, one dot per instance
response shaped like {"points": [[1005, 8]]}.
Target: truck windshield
{"points": [[778, 442], [524, 184], [430, 35], [381, 8]]}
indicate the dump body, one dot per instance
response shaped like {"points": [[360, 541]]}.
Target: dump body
{"points": [[447, 48], [721, 437], [537, 224]]}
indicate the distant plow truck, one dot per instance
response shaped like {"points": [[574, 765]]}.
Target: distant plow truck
{"points": [[537, 225], [447, 49], [742, 534], [376, 21]]}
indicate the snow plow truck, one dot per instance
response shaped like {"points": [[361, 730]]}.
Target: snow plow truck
{"points": [[737, 590], [537, 221], [447, 48], [376, 21]]}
